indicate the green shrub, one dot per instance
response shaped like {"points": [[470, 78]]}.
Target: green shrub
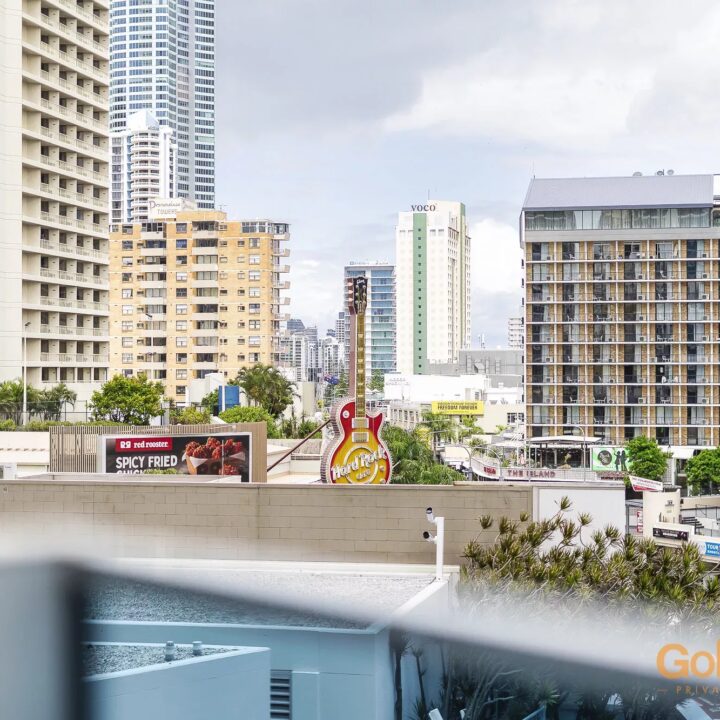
{"points": [[251, 414], [189, 416], [7, 425]]}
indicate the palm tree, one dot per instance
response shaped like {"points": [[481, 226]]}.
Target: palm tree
{"points": [[267, 387]]}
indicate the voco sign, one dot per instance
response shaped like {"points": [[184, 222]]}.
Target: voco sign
{"points": [[423, 208]]}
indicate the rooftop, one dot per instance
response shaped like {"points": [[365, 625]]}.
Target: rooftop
{"points": [[645, 191], [101, 658], [373, 592]]}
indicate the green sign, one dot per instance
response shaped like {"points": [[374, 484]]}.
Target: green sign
{"points": [[610, 459]]}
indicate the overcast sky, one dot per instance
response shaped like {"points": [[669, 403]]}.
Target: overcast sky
{"points": [[336, 114]]}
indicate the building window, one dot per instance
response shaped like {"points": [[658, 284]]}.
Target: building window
{"points": [[127, 342], [181, 374], [127, 309], [181, 277], [181, 324], [127, 244], [127, 277], [181, 309], [254, 260], [254, 292], [254, 243], [126, 325], [181, 292], [127, 358], [254, 276], [127, 293], [127, 261], [181, 342], [180, 389]]}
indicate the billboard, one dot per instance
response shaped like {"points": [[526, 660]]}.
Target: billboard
{"points": [[643, 484], [610, 459], [168, 208], [214, 454], [458, 407]]}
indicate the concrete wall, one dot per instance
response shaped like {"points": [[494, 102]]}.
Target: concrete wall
{"points": [[214, 686], [334, 673], [171, 518]]}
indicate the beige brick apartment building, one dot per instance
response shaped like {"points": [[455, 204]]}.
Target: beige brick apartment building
{"points": [[193, 294]]}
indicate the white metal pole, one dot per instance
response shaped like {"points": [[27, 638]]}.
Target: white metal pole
{"points": [[24, 409], [439, 547]]}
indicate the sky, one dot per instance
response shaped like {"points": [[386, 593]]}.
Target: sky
{"points": [[334, 115]]}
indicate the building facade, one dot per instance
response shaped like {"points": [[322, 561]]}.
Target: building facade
{"points": [[144, 161], [163, 60], [515, 333], [54, 150], [432, 255], [379, 315], [196, 294], [622, 316]]}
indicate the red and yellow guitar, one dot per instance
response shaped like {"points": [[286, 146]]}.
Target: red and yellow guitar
{"points": [[357, 454]]}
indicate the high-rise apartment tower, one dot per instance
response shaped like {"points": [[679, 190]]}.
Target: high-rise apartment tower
{"points": [[432, 270], [622, 319], [54, 198], [163, 60]]}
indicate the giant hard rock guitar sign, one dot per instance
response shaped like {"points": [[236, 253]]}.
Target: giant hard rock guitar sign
{"points": [[356, 454]]}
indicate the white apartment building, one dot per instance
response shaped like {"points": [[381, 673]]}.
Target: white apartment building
{"points": [[432, 278], [515, 333], [144, 166], [163, 60], [331, 354], [379, 315], [54, 149]]}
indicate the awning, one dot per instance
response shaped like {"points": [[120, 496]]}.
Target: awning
{"points": [[681, 452]]}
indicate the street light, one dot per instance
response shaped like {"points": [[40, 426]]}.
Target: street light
{"points": [[582, 435], [24, 363], [498, 458]]}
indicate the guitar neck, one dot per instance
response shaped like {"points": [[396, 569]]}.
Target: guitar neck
{"points": [[360, 366]]}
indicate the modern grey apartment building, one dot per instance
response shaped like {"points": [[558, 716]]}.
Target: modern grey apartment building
{"points": [[162, 59], [621, 308]]}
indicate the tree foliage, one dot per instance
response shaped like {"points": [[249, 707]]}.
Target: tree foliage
{"points": [[377, 381], [291, 427], [703, 470], [251, 414], [189, 416], [46, 404], [553, 557], [266, 387], [131, 400], [413, 461], [441, 427], [646, 459]]}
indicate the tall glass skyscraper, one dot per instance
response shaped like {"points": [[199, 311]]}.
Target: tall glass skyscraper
{"points": [[162, 59], [380, 321]]}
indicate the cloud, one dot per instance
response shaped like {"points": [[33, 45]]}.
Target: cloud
{"points": [[574, 76], [496, 278]]}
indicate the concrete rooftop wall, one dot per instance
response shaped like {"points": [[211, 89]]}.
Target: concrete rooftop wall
{"points": [[281, 522]]}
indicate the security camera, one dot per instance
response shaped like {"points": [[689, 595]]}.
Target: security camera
{"points": [[430, 538], [429, 514]]}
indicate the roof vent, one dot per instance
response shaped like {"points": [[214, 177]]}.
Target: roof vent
{"points": [[660, 172], [670, 172], [637, 173]]}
